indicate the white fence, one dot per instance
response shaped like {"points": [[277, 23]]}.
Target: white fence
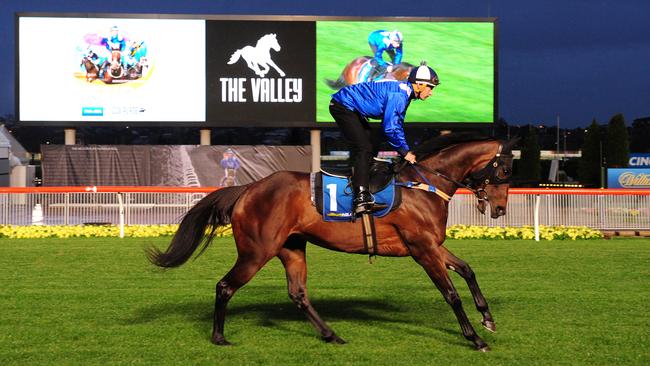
{"points": [[598, 209]]}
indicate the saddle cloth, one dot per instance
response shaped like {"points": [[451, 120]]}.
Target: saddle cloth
{"points": [[332, 195]]}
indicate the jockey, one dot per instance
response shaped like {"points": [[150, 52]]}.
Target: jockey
{"points": [[381, 41], [387, 100], [115, 42]]}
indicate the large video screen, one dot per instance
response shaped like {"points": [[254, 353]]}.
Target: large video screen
{"points": [[461, 53], [111, 69], [248, 71]]}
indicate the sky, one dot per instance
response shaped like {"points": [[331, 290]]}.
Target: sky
{"points": [[576, 59]]}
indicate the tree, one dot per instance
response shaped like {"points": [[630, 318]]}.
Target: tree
{"points": [[640, 136], [530, 168], [590, 161], [617, 150]]}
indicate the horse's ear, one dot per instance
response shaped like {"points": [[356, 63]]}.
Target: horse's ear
{"points": [[510, 144]]}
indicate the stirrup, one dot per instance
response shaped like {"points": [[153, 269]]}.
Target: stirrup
{"points": [[368, 207]]}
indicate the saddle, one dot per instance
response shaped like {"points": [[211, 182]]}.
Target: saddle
{"points": [[331, 191]]}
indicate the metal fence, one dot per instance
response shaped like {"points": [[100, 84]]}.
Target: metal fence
{"points": [[598, 209]]}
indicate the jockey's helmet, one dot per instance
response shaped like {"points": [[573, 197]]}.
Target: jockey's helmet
{"points": [[396, 36], [423, 74]]}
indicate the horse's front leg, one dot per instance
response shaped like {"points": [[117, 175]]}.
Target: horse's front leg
{"points": [[270, 62], [464, 270], [255, 67], [431, 259]]}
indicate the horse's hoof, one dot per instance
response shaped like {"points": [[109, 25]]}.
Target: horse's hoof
{"points": [[484, 349], [334, 339], [489, 325], [221, 341]]}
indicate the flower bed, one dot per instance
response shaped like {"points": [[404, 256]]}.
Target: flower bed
{"points": [[524, 232], [144, 231]]}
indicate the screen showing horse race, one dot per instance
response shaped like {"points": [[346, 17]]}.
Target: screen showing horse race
{"points": [[111, 69], [461, 53], [248, 71]]}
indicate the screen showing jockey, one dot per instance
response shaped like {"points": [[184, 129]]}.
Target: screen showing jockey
{"points": [[381, 41], [387, 100]]}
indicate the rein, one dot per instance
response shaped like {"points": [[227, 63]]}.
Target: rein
{"points": [[483, 177]]}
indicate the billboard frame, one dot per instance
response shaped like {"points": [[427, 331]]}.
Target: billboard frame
{"points": [[270, 124]]}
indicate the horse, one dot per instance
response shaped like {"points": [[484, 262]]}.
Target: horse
{"points": [[113, 69], [259, 56], [274, 217], [352, 72], [92, 71]]}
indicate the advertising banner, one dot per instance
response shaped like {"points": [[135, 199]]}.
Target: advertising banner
{"points": [[168, 165], [260, 71], [111, 69], [628, 178], [639, 160]]}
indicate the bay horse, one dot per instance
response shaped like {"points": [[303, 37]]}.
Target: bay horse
{"points": [[274, 217], [351, 73], [113, 68]]}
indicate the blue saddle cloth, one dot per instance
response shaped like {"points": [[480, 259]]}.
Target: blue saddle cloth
{"points": [[337, 198]]}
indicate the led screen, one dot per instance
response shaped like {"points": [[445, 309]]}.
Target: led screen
{"points": [[111, 69], [461, 53], [275, 71]]}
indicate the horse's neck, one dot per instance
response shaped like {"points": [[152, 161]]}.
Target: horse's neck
{"points": [[458, 161]]}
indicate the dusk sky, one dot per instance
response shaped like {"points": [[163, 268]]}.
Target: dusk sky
{"points": [[579, 59]]}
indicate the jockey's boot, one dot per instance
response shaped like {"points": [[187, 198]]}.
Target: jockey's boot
{"points": [[376, 72], [364, 202]]}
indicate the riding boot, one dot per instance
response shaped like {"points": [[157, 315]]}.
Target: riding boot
{"points": [[364, 202], [376, 72]]}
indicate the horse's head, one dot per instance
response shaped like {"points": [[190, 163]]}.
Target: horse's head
{"points": [[490, 182], [272, 41], [464, 160]]}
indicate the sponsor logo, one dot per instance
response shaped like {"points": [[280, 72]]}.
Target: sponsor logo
{"points": [[262, 89], [629, 180], [640, 160], [92, 111], [128, 110]]}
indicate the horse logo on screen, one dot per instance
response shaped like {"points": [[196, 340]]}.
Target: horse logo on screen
{"points": [[258, 58]]}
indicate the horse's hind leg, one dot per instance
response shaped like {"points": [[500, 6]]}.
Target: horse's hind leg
{"points": [[245, 268], [464, 270], [292, 256]]}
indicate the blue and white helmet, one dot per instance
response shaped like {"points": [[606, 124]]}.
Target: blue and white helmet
{"points": [[396, 36], [423, 74]]}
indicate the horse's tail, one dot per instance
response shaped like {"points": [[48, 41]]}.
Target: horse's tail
{"points": [[234, 57], [212, 211], [336, 84]]}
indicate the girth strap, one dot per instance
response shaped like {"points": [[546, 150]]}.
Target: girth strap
{"points": [[369, 236]]}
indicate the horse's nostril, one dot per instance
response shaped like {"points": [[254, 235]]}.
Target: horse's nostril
{"points": [[501, 211]]}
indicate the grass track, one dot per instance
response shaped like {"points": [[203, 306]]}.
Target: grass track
{"points": [[97, 301]]}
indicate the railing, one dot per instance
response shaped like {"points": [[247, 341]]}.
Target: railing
{"points": [[610, 209]]}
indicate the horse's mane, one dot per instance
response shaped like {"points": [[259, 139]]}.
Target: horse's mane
{"points": [[435, 144]]}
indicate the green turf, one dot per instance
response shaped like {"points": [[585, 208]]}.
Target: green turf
{"points": [[462, 53], [97, 301]]}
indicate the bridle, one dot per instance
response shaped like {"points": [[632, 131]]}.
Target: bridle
{"points": [[477, 181]]}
